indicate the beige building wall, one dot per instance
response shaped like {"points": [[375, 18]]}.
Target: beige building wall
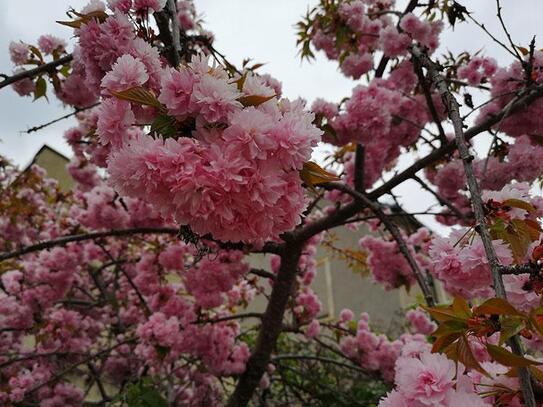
{"points": [[54, 163]]}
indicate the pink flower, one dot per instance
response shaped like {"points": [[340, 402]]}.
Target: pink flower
{"points": [[356, 65], [324, 108], [126, 73], [392, 42], [176, 92], [145, 5], [19, 53], [121, 5], [313, 329], [114, 119], [23, 87], [420, 322], [426, 380], [394, 399], [214, 98], [49, 43], [346, 315]]}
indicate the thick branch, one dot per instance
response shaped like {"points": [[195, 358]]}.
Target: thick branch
{"points": [[430, 102], [176, 41], [271, 326], [162, 20], [30, 73], [477, 203]]}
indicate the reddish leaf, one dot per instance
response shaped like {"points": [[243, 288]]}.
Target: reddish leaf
{"points": [[506, 358], [460, 351], [537, 373], [444, 341], [254, 100], [451, 326], [518, 203], [496, 306], [313, 174], [443, 314], [461, 308], [85, 18]]}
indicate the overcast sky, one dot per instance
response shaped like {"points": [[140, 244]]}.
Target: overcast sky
{"points": [[258, 29]]}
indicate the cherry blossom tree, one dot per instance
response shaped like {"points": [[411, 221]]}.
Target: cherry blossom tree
{"points": [[133, 288]]}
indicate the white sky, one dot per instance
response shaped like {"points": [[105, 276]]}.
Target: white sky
{"points": [[258, 29]]}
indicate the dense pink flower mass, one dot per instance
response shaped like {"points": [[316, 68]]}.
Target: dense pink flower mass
{"points": [[244, 173], [463, 266], [182, 266]]}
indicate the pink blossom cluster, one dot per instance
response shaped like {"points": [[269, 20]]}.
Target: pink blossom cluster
{"points": [[420, 321], [383, 116], [460, 260], [164, 339], [460, 263], [478, 70], [429, 379], [523, 162], [388, 265], [376, 352], [243, 172], [505, 83], [353, 32]]}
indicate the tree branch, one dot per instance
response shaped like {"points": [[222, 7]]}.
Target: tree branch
{"points": [[477, 203], [58, 119], [30, 73], [396, 234], [61, 241], [319, 359], [271, 325], [443, 201]]}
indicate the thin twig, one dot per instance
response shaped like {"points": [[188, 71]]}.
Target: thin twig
{"points": [[61, 241], [396, 234], [318, 359], [442, 200], [30, 73], [66, 116]]}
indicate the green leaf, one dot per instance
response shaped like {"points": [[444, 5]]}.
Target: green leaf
{"points": [[510, 326], [164, 125], [444, 313], [65, 70], [254, 100], [451, 326], [41, 88], [506, 358], [496, 306], [139, 95], [153, 399], [461, 308]]}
